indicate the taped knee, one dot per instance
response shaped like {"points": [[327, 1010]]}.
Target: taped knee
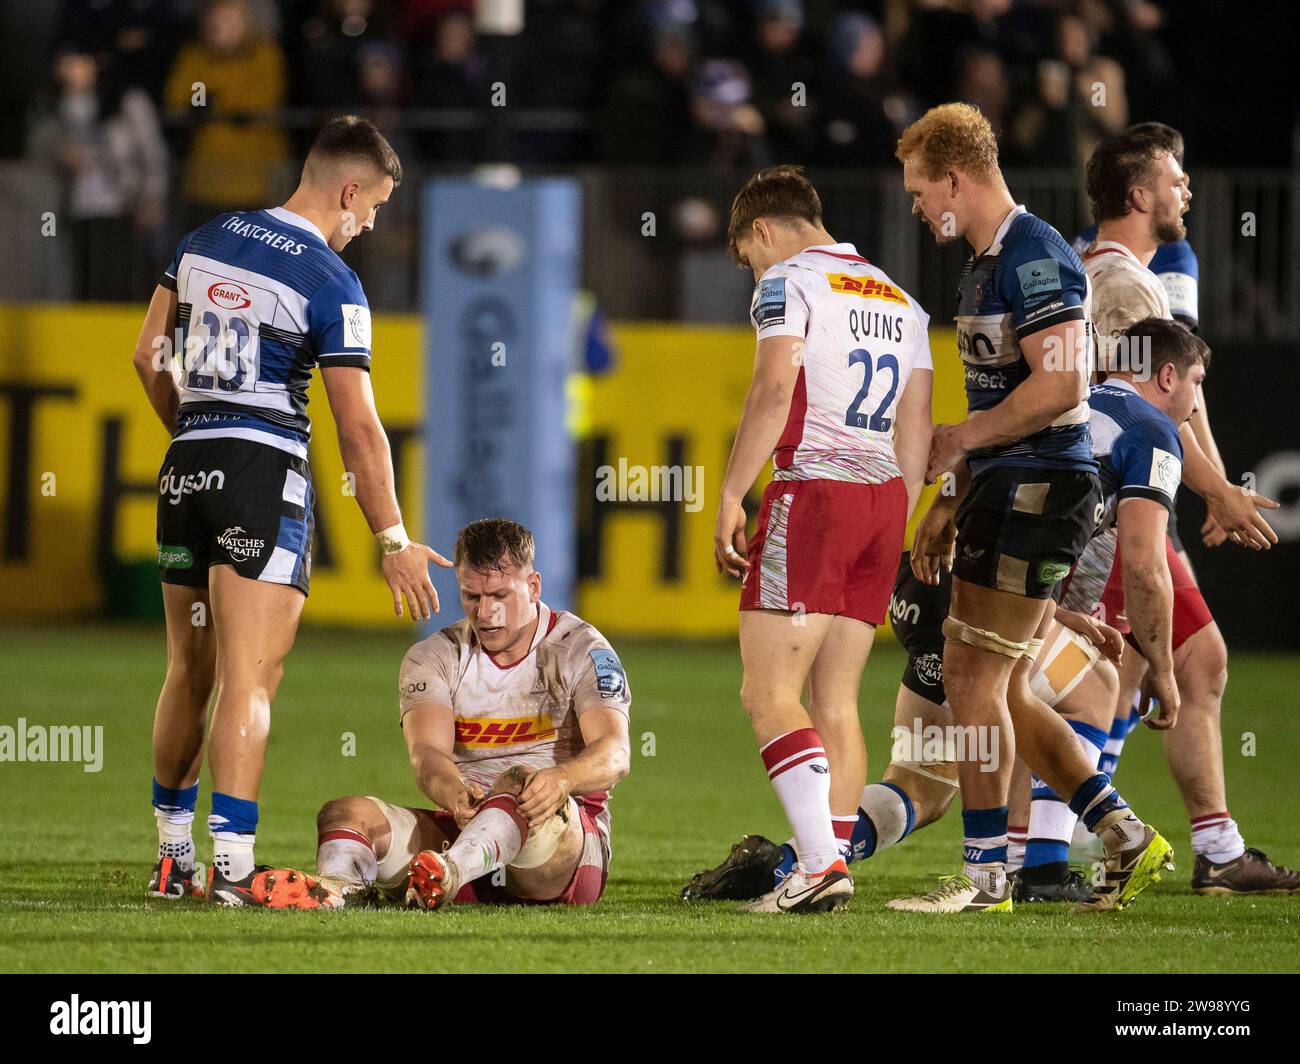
{"points": [[986, 640], [543, 841]]}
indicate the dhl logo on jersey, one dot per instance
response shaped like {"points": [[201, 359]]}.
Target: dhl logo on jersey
{"points": [[504, 731], [866, 287]]}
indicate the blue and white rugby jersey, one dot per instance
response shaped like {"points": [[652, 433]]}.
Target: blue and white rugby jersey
{"points": [[1178, 270], [1141, 457], [1029, 279], [262, 300]]}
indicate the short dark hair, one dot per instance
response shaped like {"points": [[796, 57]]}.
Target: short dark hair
{"points": [[491, 543], [775, 192], [1170, 342], [350, 137], [1118, 165], [1172, 138]]}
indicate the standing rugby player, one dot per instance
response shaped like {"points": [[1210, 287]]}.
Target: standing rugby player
{"points": [[1139, 195], [1029, 498], [840, 401], [257, 300]]}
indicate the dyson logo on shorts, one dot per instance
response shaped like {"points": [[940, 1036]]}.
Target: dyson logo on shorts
{"points": [[240, 546], [177, 486]]}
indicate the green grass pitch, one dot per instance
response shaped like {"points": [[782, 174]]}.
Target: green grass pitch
{"points": [[77, 846]]}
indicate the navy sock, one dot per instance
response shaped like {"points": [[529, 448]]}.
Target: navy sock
{"points": [[985, 833]]}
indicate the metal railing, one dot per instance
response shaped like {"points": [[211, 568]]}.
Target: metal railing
{"points": [[653, 242]]}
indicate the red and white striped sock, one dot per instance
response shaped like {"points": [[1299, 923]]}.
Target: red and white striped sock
{"points": [[348, 855], [1017, 839], [843, 827], [1215, 835], [492, 839], [797, 766]]}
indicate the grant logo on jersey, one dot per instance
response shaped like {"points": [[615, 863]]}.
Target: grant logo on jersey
{"points": [[504, 731], [229, 296], [866, 287]]}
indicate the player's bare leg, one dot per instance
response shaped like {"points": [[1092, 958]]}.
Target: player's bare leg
{"points": [[833, 686], [178, 727], [778, 650], [255, 623], [985, 693], [1019, 802], [1194, 749], [1045, 874]]}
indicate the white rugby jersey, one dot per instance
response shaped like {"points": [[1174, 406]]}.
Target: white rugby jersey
{"points": [[522, 714], [1123, 292], [863, 337]]}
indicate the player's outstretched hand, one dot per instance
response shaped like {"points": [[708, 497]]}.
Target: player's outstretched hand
{"points": [[729, 547], [946, 451], [1161, 688], [1237, 511], [934, 544], [546, 790], [407, 575]]}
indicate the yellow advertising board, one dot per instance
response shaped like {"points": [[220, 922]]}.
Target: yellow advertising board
{"points": [[80, 452]]}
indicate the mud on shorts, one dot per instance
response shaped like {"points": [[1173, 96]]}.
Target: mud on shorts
{"points": [[1020, 529]]}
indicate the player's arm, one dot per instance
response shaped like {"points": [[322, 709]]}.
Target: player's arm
{"points": [[913, 425], [935, 541], [1149, 596], [776, 369], [1234, 509], [1058, 380], [605, 759], [430, 730], [363, 445], [153, 356]]}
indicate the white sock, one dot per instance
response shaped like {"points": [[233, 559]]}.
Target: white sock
{"points": [[347, 855], [1017, 837], [1216, 836], [990, 876], [176, 836], [232, 854], [801, 775], [492, 839], [1050, 819], [888, 812]]}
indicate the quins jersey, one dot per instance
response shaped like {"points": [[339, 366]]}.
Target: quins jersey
{"points": [[1176, 268], [261, 301], [521, 714], [1029, 279], [863, 336], [1123, 292]]}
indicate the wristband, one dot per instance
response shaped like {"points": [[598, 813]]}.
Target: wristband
{"points": [[393, 540]]}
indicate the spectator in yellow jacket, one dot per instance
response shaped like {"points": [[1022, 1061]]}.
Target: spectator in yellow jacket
{"points": [[228, 84]]}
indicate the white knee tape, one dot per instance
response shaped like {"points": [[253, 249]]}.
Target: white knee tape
{"points": [[986, 640], [542, 842]]}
